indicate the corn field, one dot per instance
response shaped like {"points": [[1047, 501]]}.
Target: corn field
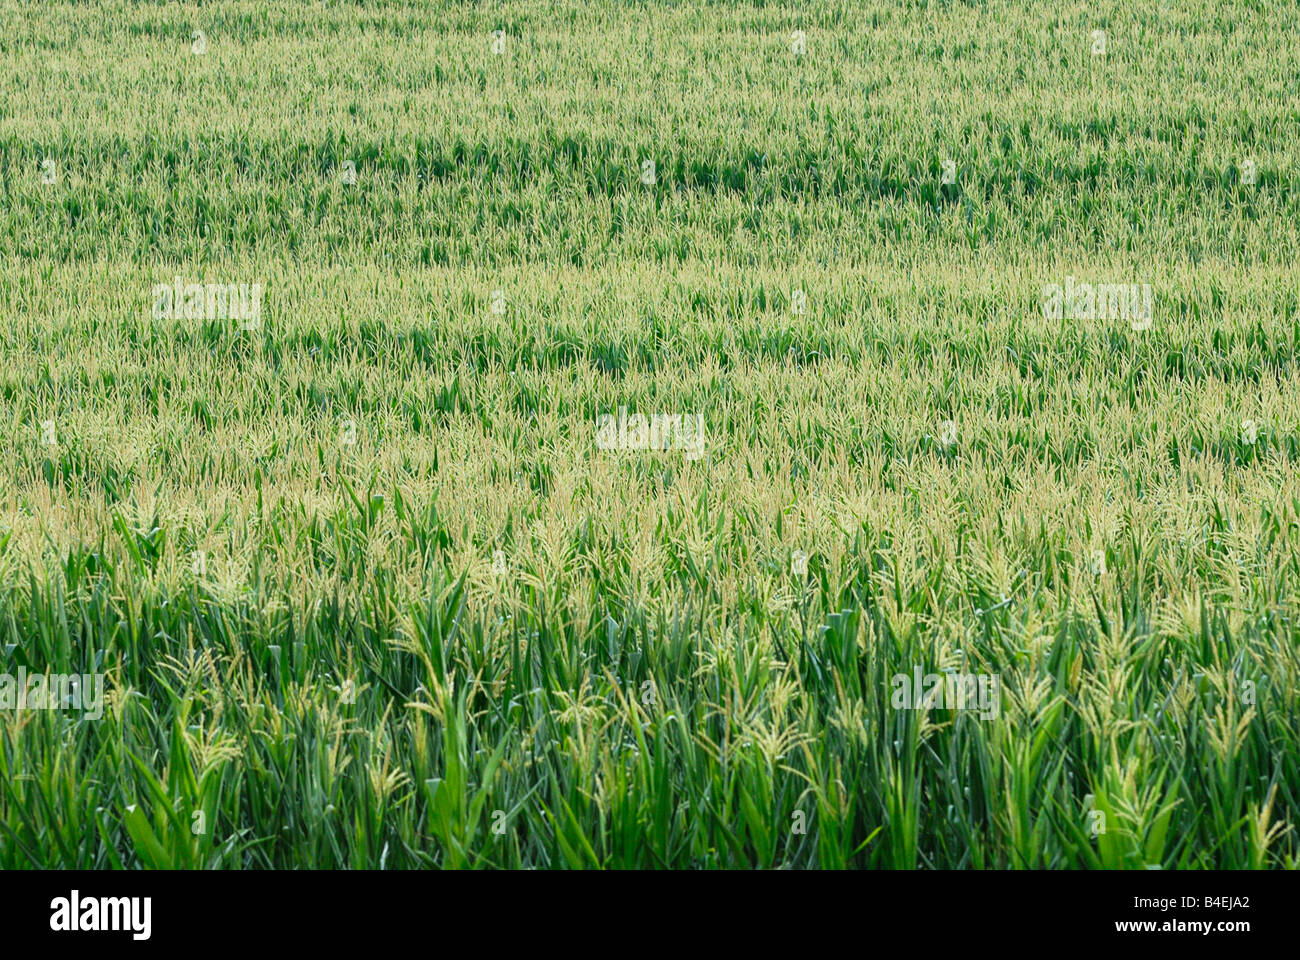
{"points": [[555, 435]]}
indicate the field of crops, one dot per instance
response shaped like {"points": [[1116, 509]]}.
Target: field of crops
{"points": [[626, 410]]}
